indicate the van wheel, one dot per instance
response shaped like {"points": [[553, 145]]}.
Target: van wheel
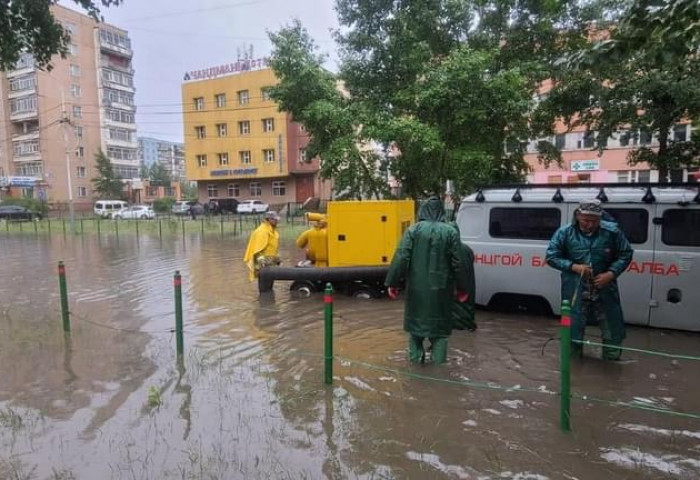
{"points": [[363, 293], [144, 217], [116, 217], [520, 303], [302, 289]]}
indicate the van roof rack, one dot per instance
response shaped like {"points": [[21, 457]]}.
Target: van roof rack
{"points": [[588, 185]]}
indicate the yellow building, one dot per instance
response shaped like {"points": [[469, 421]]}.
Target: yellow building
{"points": [[237, 144]]}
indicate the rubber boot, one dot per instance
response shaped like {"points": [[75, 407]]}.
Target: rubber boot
{"points": [[611, 353], [416, 354], [576, 350], [439, 350]]}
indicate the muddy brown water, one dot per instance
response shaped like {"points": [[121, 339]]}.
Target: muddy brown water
{"points": [[248, 401]]}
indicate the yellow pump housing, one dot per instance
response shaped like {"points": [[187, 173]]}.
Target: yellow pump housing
{"points": [[367, 232]]}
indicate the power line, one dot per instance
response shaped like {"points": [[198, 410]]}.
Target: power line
{"points": [[199, 10]]}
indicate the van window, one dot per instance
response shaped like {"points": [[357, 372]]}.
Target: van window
{"points": [[634, 222], [524, 223], [681, 227]]}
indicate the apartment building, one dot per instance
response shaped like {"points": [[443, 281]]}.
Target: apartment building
{"points": [[582, 162], [54, 122], [170, 155], [238, 144]]}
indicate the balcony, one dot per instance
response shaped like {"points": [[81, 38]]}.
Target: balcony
{"points": [[25, 136], [116, 104], [24, 66], [113, 47], [114, 64], [24, 115]]}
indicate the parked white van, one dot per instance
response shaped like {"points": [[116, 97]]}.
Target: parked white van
{"points": [[105, 208], [509, 230]]}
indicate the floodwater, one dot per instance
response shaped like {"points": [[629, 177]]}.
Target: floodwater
{"points": [[110, 401]]}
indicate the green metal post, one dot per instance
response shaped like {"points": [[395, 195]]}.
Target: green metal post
{"points": [[65, 315], [202, 227], [98, 226], [35, 226], [182, 220], [565, 367], [222, 223], [64, 227], [177, 282], [137, 229], [116, 228], [49, 221], [160, 229], [82, 228], [20, 227], [328, 335]]}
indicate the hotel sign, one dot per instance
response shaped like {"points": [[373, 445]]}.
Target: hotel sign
{"points": [[227, 69], [18, 181], [237, 171]]}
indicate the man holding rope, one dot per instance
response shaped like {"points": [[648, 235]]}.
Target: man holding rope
{"points": [[591, 253]]}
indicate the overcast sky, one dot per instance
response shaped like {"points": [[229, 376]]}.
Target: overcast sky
{"points": [[170, 37]]}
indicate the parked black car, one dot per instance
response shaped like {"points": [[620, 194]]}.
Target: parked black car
{"points": [[17, 212], [223, 205]]}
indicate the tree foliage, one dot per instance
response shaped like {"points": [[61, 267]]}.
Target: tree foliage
{"points": [[106, 183], [642, 76], [158, 175], [445, 83], [29, 26]]}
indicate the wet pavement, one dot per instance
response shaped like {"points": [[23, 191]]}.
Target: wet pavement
{"points": [[248, 401]]}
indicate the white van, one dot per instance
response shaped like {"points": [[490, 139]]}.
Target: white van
{"points": [[105, 208], [509, 230]]}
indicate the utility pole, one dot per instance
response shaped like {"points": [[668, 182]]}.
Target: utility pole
{"points": [[65, 120]]}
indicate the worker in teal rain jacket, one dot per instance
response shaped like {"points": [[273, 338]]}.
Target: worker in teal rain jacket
{"points": [[463, 313], [591, 253], [429, 263]]}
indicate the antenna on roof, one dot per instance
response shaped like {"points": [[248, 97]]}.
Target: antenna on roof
{"points": [[480, 196]]}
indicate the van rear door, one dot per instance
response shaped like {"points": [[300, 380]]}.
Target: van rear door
{"points": [[676, 268], [635, 220]]}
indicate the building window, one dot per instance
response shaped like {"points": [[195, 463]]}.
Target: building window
{"points": [[82, 192], [212, 191], [23, 104], [560, 141], [25, 149], [255, 189], [75, 91], [201, 160], [244, 155], [279, 189], [268, 124], [78, 132], [303, 158], [644, 137], [120, 78], [111, 95], [269, 156], [223, 159], [74, 70], [80, 152], [233, 190], [121, 134], [201, 132], [121, 153], [588, 140], [199, 103], [680, 133], [524, 223], [23, 83], [81, 172], [222, 128], [265, 94], [70, 27], [73, 49], [243, 97], [244, 127], [634, 176], [220, 99], [121, 116]]}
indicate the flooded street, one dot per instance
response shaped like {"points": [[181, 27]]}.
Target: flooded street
{"points": [[110, 401]]}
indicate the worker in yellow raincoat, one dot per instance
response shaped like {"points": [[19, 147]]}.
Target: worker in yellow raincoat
{"points": [[314, 241], [263, 246]]}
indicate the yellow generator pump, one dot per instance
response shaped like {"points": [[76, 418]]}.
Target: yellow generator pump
{"points": [[366, 232]]}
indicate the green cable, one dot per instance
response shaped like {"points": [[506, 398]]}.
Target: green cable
{"points": [[650, 352], [618, 403]]}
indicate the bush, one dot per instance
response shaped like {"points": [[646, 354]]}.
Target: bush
{"points": [[32, 204], [163, 205]]}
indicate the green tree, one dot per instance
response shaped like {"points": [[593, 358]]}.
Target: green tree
{"points": [[159, 176], [644, 76], [447, 83], [106, 184], [29, 26]]}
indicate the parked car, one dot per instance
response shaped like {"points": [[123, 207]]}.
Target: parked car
{"points": [[223, 205], [183, 207], [17, 212], [143, 212], [252, 206]]}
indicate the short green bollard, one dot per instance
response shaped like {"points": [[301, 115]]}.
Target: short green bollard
{"points": [[65, 314], [177, 283], [328, 335], [565, 367]]}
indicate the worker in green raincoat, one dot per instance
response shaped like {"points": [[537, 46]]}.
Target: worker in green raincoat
{"points": [[429, 263], [463, 313], [591, 253]]}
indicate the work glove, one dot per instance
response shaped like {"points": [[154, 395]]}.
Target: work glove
{"points": [[462, 296], [393, 293]]}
